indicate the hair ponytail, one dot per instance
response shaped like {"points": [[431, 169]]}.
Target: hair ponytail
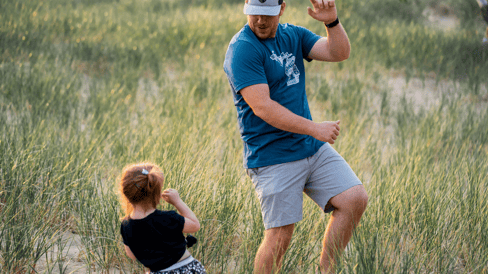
{"points": [[141, 185]]}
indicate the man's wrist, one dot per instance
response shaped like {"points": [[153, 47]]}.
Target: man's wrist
{"points": [[332, 24]]}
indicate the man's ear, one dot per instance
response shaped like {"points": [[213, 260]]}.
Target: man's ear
{"points": [[283, 5]]}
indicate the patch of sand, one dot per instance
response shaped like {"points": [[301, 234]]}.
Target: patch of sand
{"points": [[64, 257], [440, 18]]}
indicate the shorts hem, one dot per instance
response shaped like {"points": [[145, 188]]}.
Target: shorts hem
{"points": [[281, 223]]}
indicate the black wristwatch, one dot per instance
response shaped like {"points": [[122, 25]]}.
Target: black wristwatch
{"points": [[333, 24]]}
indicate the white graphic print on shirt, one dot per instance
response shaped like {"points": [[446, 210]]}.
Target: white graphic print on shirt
{"points": [[291, 69]]}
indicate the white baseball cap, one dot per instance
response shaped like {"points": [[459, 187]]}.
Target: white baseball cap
{"points": [[263, 7]]}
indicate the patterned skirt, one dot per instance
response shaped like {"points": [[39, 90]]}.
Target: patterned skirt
{"points": [[188, 266]]}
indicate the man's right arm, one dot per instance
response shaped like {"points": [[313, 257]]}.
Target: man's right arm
{"points": [[336, 47], [258, 98]]}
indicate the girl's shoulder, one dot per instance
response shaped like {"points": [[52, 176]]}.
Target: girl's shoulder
{"points": [[125, 221], [158, 216], [165, 213], [168, 217]]}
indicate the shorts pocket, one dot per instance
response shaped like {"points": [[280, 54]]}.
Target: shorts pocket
{"points": [[252, 171]]}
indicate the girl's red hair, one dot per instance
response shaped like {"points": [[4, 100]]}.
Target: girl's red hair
{"points": [[137, 188]]}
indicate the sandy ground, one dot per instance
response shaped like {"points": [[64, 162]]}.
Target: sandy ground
{"points": [[440, 19], [72, 257], [422, 93]]}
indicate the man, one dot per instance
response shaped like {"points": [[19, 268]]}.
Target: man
{"points": [[484, 13], [285, 152]]}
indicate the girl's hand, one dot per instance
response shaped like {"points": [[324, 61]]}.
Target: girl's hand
{"points": [[171, 196]]}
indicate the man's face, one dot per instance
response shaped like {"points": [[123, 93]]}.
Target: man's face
{"points": [[265, 26]]}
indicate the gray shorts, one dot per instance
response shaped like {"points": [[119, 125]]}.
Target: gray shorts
{"points": [[280, 187]]}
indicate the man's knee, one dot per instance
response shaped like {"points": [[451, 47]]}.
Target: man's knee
{"points": [[279, 236], [361, 199], [355, 199]]}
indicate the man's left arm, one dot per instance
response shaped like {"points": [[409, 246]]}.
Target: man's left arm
{"points": [[336, 46]]}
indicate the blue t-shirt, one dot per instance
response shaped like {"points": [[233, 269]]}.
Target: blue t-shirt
{"points": [[277, 62], [157, 241]]}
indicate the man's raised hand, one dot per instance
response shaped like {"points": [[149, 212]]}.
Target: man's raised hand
{"points": [[323, 10]]}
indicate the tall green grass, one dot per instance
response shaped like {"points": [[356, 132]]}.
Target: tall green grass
{"points": [[87, 87]]}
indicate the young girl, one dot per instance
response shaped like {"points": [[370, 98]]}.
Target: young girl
{"points": [[151, 236]]}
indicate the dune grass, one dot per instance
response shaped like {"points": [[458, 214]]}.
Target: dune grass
{"points": [[87, 87]]}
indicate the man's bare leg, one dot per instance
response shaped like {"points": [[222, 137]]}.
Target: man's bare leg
{"points": [[349, 207], [275, 243]]}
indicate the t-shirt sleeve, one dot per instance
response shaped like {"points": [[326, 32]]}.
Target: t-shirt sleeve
{"points": [[175, 221], [122, 232], [308, 39], [244, 66]]}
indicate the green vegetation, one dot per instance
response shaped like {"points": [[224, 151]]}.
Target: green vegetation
{"points": [[88, 86]]}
